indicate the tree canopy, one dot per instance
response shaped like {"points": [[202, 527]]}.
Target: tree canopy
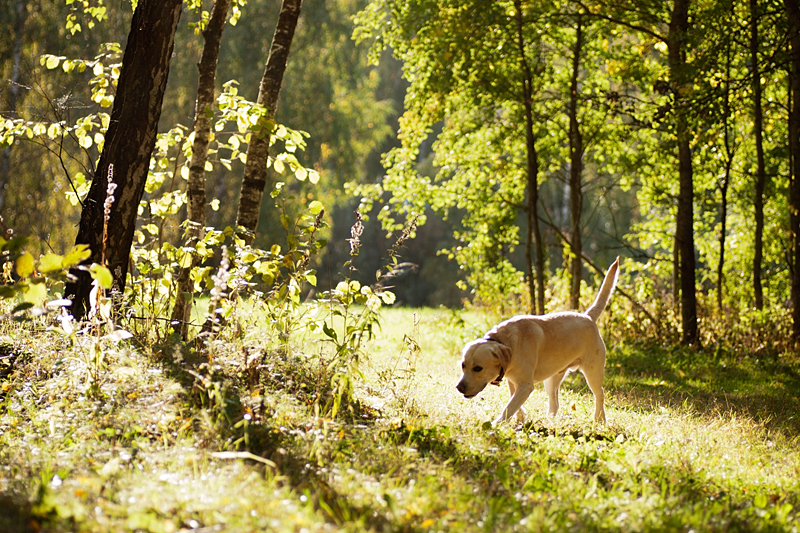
{"points": [[533, 141]]}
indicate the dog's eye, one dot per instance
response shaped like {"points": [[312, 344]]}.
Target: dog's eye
{"points": [[462, 366], [477, 368]]}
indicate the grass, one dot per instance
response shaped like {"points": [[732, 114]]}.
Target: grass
{"points": [[703, 442]]}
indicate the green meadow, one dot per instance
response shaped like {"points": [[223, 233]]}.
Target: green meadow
{"points": [[240, 439]]}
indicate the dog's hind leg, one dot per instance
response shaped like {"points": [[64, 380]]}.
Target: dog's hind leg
{"points": [[594, 377], [551, 386]]}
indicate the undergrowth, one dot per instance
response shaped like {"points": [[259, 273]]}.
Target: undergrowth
{"points": [[241, 442]]}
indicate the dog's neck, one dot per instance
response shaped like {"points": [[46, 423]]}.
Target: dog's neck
{"points": [[499, 378]]}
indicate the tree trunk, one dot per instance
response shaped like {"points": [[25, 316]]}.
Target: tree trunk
{"points": [[793, 11], [13, 94], [726, 180], [723, 231], [534, 233], [761, 174], [196, 188], [678, 26], [575, 171], [255, 171], [128, 146]]}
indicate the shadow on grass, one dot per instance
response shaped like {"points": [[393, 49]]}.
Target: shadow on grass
{"points": [[302, 474], [15, 515], [217, 389], [766, 390], [647, 377]]}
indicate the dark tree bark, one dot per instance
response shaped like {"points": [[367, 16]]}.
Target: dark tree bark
{"points": [[255, 172], [196, 188], [534, 236], [726, 180], [575, 171], [761, 173], [793, 12], [723, 208], [128, 146], [678, 27], [13, 92]]}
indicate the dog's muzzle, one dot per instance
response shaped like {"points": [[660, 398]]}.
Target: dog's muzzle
{"points": [[462, 388]]}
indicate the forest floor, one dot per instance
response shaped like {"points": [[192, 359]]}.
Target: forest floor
{"points": [[694, 441]]}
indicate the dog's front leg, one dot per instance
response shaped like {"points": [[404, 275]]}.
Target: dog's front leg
{"points": [[520, 394], [521, 412]]}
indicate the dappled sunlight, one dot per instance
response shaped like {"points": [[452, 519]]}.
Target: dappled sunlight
{"points": [[723, 442]]}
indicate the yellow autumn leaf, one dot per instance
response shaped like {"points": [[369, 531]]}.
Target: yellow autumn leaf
{"points": [[24, 265], [102, 275], [35, 293], [78, 253], [50, 263]]}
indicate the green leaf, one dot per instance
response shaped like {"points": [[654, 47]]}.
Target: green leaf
{"points": [[184, 259], [52, 62], [388, 297], [152, 229], [327, 330], [315, 207], [8, 291], [102, 275], [311, 277], [21, 307]]}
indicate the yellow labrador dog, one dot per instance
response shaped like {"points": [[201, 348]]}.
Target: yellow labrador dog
{"points": [[529, 349]]}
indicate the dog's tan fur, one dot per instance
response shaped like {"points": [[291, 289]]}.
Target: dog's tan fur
{"points": [[530, 349]]}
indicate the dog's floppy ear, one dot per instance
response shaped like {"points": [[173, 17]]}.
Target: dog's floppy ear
{"points": [[503, 353]]}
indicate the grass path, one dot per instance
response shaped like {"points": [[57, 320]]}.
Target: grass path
{"points": [[693, 442]]}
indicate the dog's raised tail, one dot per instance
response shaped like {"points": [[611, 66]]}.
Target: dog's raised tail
{"points": [[609, 282]]}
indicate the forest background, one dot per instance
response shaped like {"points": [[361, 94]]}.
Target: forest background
{"points": [[521, 141], [456, 160]]}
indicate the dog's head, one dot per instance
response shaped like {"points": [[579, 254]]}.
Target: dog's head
{"points": [[482, 361]]}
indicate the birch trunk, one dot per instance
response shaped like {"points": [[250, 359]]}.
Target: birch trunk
{"points": [[255, 172], [196, 188]]}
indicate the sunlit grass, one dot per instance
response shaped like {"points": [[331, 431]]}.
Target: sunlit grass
{"points": [[690, 427], [688, 445]]}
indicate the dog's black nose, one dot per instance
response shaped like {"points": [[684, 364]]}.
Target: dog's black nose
{"points": [[461, 387]]}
